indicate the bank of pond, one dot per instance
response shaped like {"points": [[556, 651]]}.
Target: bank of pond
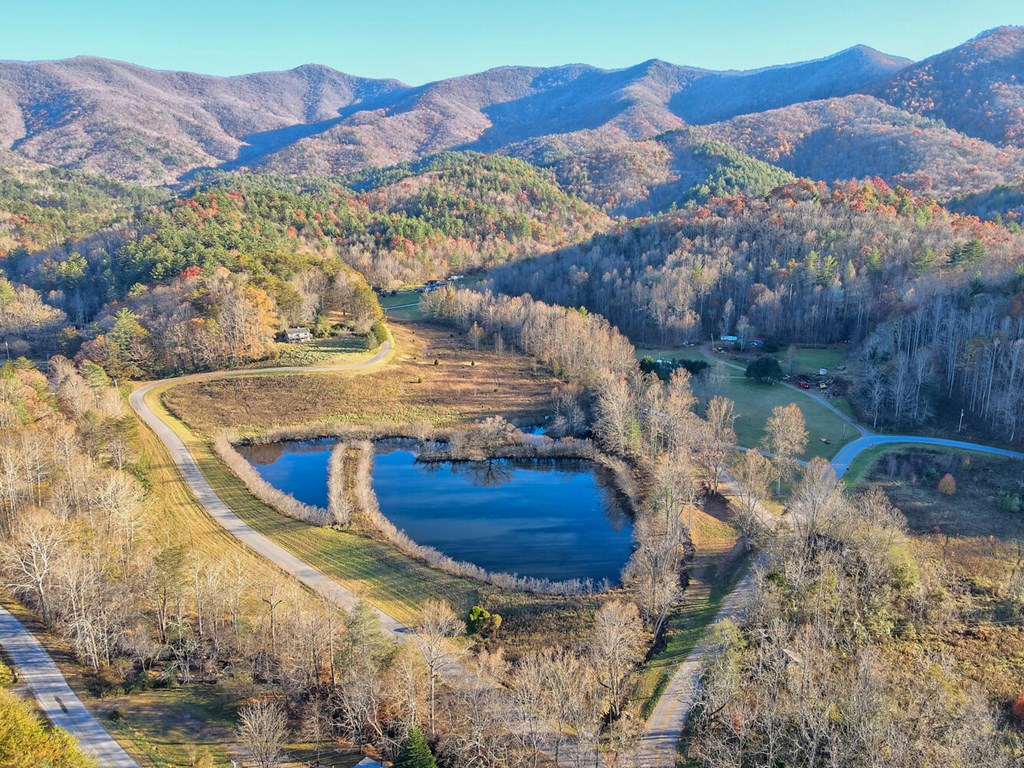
{"points": [[548, 519]]}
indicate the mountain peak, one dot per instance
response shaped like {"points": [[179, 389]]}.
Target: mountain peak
{"points": [[1005, 31]]}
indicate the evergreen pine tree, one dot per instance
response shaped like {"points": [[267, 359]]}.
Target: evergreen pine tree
{"points": [[415, 752]]}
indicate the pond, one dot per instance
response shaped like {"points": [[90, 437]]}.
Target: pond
{"points": [[544, 519]]}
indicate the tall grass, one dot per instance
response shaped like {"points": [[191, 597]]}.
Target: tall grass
{"points": [[339, 504], [283, 502]]}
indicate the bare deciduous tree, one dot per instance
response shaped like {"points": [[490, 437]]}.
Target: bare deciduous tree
{"points": [[617, 644], [785, 438], [716, 436], [263, 730], [438, 623]]}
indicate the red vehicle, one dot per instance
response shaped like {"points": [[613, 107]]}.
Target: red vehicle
{"points": [[803, 385]]}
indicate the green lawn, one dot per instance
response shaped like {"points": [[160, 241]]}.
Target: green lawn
{"points": [[400, 298], [810, 361], [404, 305], [343, 348], [173, 726], [754, 404], [669, 353]]}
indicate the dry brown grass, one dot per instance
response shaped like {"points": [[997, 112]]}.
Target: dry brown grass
{"points": [[976, 546], [466, 386]]}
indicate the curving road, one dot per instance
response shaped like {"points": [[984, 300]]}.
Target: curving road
{"points": [[657, 748], [325, 586], [58, 702], [316, 580], [842, 460], [664, 728]]}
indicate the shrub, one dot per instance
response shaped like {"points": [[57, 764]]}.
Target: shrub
{"points": [[947, 485], [1018, 708], [765, 369], [483, 622], [25, 739], [379, 332], [7, 678], [1010, 502]]}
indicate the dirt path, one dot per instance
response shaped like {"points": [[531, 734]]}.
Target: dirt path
{"points": [[665, 726]]}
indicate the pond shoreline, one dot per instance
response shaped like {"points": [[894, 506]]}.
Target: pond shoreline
{"points": [[353, 504]]}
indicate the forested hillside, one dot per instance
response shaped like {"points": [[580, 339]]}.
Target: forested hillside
{"points": [[46, 207], [859, 137], [813, 263], [974, 88], [271, 251], [641, 177]]}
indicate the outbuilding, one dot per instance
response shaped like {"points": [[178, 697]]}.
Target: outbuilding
{"points": [[296, 335]]}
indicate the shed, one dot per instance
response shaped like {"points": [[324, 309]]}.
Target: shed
{"points": [[369, 762], [294, 335]]}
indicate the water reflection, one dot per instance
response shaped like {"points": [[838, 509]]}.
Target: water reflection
{"points": [[554, 519]]}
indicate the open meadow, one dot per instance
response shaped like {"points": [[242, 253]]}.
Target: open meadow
{"points": [[975, 535], [435, 377]]}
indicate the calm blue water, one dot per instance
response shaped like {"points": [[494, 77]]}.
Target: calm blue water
{"points": [[298, 467], [554, 520]]}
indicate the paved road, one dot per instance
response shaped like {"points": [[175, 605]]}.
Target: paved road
{"points": [[665, 725], [842, 460], [314, 579], [658, 744], [58, 702], [664, 728], [453, 672]]}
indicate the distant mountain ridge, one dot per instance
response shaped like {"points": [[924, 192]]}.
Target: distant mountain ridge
{"points": [[950, 125], [142, 125]]}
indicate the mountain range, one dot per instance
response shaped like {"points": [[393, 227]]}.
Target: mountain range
{"points": [[950, 125]]}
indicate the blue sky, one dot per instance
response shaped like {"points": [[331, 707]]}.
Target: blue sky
{"points": [[421, 41]]}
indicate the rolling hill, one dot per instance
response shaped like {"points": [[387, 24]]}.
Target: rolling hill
{"points": [[621, 139], [143, 125], [858, 137], [977, 87]]}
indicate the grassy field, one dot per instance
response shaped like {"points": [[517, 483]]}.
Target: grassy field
{"points": [[910, 475], [196, 721], [403, 306], [754, 404], [192, 721], [975, 545], [345, 348], [810, 361], [373, 569], [715, 570], [435, 376]]}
